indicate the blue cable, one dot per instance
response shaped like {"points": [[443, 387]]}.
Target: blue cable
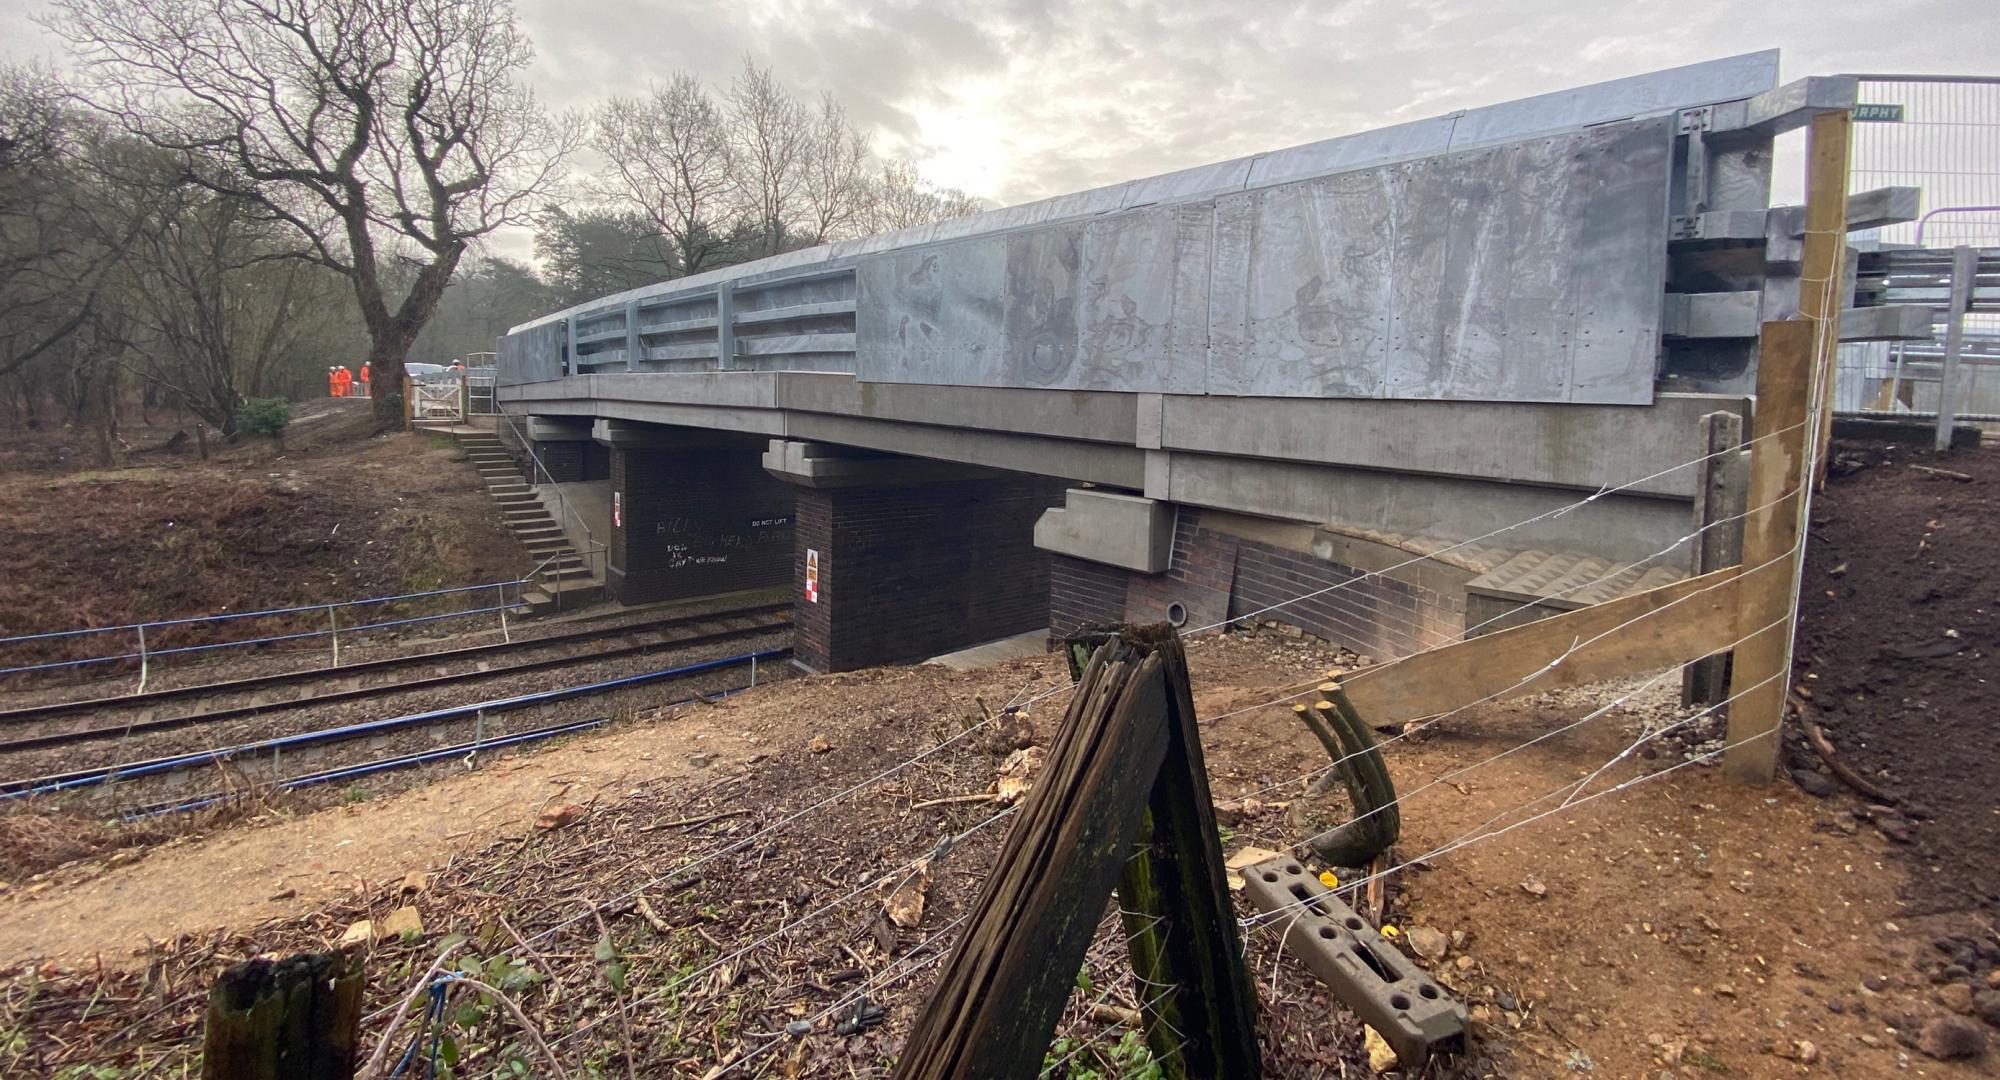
{"points": [[433, 1023]]}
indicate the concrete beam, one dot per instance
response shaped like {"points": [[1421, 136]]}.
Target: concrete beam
{"points": [[1720, 225], [1881, 206], [1130, 531], [557, 429], [817, 465], [628, 435], [1711, 315], [1351, 462], [1615, 527], [1865, 210], [1887, 322], [1113, 466], [1784, 108], [1577, 446], [1101, 437]]}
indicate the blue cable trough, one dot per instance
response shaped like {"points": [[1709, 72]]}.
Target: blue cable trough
{"points": [[46, 785]]}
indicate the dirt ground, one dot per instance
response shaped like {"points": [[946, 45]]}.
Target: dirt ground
{"points": [[1686, 926], [333, 513], [1900, 649]]}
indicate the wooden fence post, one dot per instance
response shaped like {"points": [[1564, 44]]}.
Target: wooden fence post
{"points": [[292, 1019], [1768, 583], [1719, 501], [1178, 915], [1794, 359], [1125, 766], [1823, 264]]}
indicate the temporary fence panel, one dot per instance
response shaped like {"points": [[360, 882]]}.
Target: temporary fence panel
{"points": [[1940, 134], [479, 397]]}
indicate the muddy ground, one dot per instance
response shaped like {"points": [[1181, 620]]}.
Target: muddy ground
{"points": [[1899, 652]]}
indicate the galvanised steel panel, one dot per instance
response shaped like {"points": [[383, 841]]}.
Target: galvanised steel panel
{"points": [[1730, 78], [530, 355], [1115, 302], [1529, 271], [945, 316]]}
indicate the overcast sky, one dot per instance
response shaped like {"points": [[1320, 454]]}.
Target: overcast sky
{"points": [[1013, 100]]}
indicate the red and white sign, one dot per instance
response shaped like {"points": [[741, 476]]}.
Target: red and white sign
{"points": [[812, 576], [617, 509]]}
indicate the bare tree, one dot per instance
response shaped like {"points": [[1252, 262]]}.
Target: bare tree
{"points": [[900, 198], [771, 134], [209, 308], [836, 190], [364, 124], [50, 264], [670, 153]]}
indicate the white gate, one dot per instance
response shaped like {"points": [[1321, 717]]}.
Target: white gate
{"points": [[437, 399]]}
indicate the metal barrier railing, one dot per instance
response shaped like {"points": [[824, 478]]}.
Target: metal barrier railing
{"points": [[148, 634]]}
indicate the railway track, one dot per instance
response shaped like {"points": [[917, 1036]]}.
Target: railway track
{"points": [[153, 767], [710, 628], [455, 752]]}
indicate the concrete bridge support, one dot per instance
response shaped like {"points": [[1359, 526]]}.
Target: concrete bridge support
{"points": [[1125, 558], [564, 448], [901, 558], [693, 514]]}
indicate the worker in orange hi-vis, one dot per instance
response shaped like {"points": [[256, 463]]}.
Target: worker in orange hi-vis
{"points": [[346, 381], [367, 380], [332, 382]]}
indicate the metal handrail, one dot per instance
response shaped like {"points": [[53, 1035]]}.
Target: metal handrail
{"points": [[593, 546]]}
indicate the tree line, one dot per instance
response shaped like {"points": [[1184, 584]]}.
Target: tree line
{"points": [[225, 198]]}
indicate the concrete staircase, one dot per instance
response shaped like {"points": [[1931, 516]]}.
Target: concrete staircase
{"points": [[561, 570]]}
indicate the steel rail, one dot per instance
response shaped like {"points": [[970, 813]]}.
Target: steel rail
{"points": [[65, 781], [170, 723], [256, 682]]}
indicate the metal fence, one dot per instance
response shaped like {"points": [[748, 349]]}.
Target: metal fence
{"points": [[1941, 135], [313, 626], [479, 398]]}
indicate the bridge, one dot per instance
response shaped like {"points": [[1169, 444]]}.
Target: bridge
{"points": [[1388, 356]]}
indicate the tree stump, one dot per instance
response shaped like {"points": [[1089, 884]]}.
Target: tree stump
{"points": [[293, 1019]]}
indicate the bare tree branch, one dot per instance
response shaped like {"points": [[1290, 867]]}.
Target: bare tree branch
{"points": [[373, 128]]}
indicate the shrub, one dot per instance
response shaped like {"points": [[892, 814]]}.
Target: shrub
{"points": [[263, 416]]}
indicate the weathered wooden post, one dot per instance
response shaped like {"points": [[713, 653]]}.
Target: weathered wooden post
{"points": [[1792, 433], [1720, 495], [1768, 583], [293, 1019], [1377, 820], [1123, 801]]}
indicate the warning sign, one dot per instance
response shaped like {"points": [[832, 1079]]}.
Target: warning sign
{"points": [[617, 509], [812, 576]]}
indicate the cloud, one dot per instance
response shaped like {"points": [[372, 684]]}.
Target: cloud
{"points": [[1020, 99]]}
